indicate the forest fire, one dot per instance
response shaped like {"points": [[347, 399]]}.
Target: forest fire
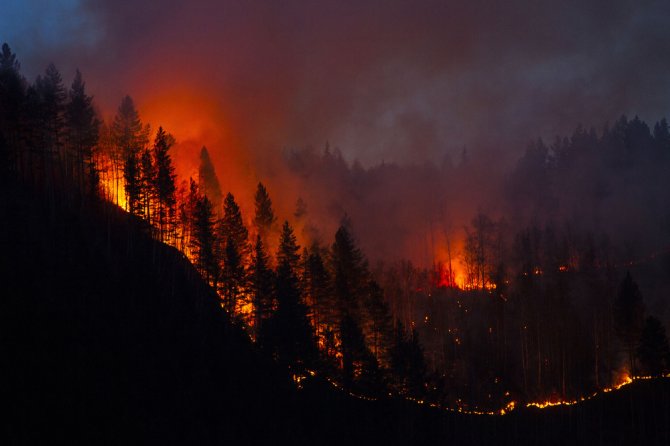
{"points": [[258, 214]]}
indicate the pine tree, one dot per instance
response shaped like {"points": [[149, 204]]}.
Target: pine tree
{"points": [[629, 317], [359, 366], [47, 110], [234, 250], [408, 365], [208, 182], [264, 218], [291, 332], [349, 270], [83, 129], [262, 290], [129, 138], [132, 186], [12, 97], [164, 184], [202, 238], [378, 322], [653, 350], [52, 96], [147, 180], [350, 279], [318, 290]]}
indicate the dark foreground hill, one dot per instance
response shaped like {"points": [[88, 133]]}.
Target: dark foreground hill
{"points": [[108, 337]]}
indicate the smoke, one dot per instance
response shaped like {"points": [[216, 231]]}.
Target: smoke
{"points": [[401, 87]]}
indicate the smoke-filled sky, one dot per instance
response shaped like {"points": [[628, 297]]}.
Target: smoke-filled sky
{"points": [[390, 83], [386, 80]]}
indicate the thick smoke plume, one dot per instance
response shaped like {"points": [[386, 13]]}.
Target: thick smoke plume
{"points": [[435, 100]]}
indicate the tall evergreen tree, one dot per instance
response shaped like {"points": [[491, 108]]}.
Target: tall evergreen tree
{"points": [[629, 317], [233, 245], [129, 137], [407, 362], [318, 290], [653, 350], [360, 368], [378, 322], [52, 94], [164, 184], [291, 332], [46, 108], [264, 218], [147, 181], [208, 182], [350, 272], [262, 290], [350, 276], [12, 97], [202, 238], [83, 128]]}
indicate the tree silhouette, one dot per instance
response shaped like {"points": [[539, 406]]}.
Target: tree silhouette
{"points": [[129, 138], [46, 118], [629, 317], [318, 289], [164, 183], [407, 362], [146, 183], [208, 182], [82, 127], [264, 218], [53, 95], [350, 276], [291, 331], [653, 350], [12, 97], [202, 238], [233, 241], [262, 290]]}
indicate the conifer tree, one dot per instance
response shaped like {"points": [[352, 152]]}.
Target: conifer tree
{"points": [[407, 362], [146, 183], [164, 184], [653, 349], [264, 218], [292, 334], [12, 98], [46, 109], [233, 248], [129, 138], [629, 317], [52, 94], [350, 275], [83, 128], [349, 270], [208, 182], [202, 238], [262, 290], [378, 322], [324, 311]]}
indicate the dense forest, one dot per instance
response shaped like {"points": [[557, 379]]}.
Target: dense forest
{"points": [[537, 304]]}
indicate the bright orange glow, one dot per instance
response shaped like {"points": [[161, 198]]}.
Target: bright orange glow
{"points": [[114, 190]]}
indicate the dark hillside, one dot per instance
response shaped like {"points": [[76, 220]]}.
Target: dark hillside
{"points": [[110, 337]]}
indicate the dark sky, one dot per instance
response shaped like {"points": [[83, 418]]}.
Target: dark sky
{"points": [[383, 80]]}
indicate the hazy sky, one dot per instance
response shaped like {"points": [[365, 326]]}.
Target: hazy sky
{"points": [[383, 80]]}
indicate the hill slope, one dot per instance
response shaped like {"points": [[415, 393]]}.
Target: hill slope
{"points": [[107, 336]]}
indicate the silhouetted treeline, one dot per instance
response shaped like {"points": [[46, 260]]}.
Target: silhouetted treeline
{"points": [[542, 307], [311, 309]]}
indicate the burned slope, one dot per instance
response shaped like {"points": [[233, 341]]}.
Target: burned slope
{"points": [[109, 336]]}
